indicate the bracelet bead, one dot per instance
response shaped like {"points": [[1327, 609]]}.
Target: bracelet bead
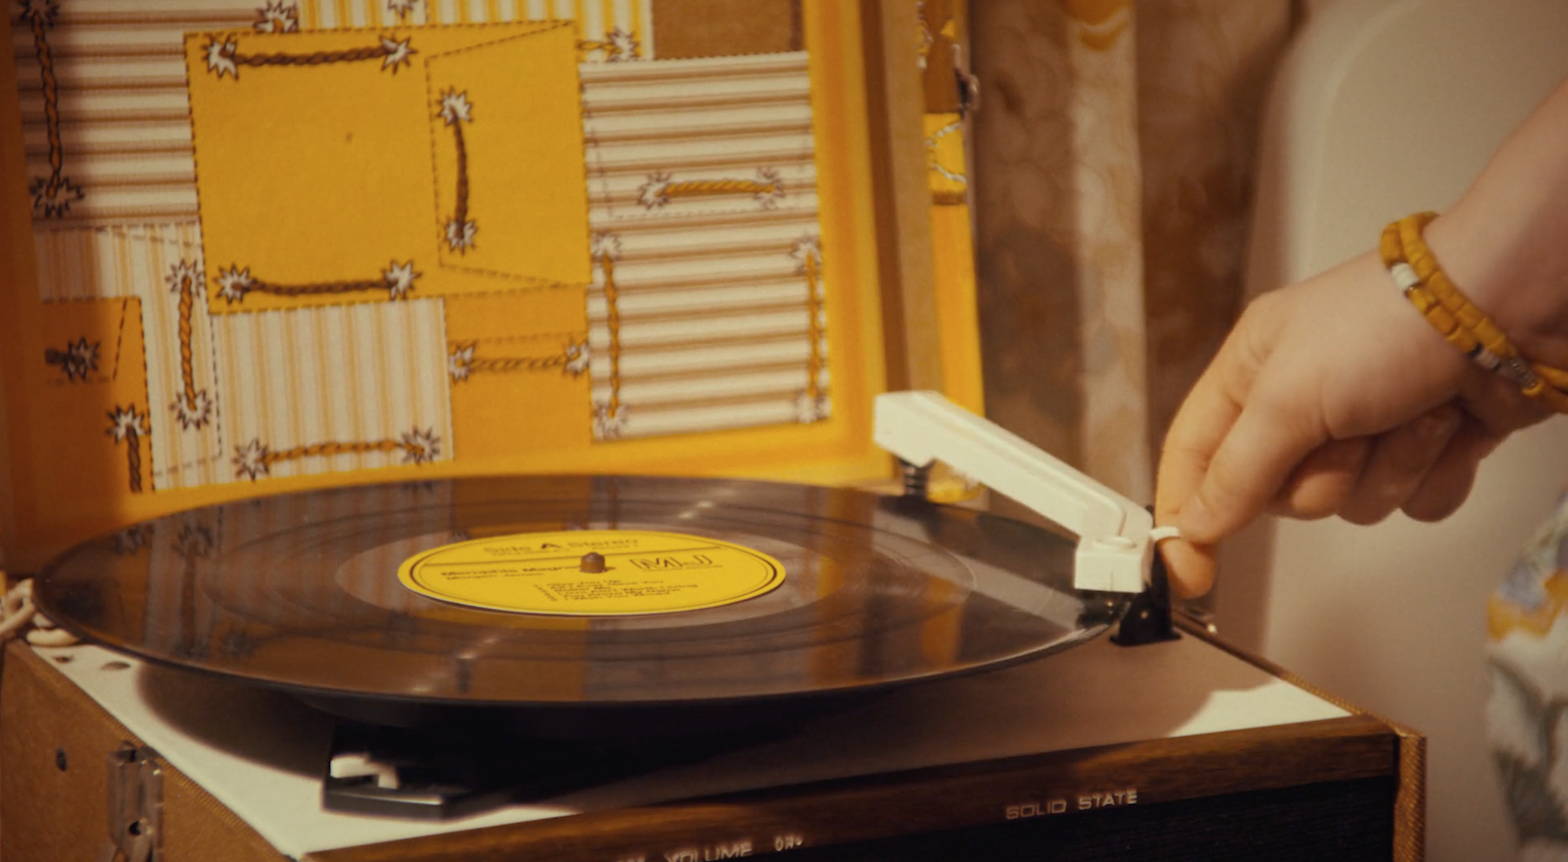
{"points": [[1419, 276]]}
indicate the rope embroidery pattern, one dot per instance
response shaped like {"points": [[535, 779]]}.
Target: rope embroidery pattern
{"points": [[462, 363], [455, 111], [767, 189], [224, 57], [255, 459], [52, 195], [812, 404], [128, 425], [235, 282], [193, 407], [609, 418]]}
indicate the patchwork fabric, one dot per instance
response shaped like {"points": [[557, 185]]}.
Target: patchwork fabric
{"points": [[103, 86], [708, 304], [159, 265], [1528, 708], [517, 381], [90, 389], [344, 387], [315, 151], [305, 238]]}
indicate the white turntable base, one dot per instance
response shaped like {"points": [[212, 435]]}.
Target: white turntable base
{"points": [[261, 753]]}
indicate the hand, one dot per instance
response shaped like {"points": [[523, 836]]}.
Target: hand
{"points": [[1332, 396]]}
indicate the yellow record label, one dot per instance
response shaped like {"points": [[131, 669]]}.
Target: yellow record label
{"points": [[592, 573]]}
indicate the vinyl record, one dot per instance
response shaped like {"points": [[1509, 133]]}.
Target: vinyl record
{"points": [[572, 593]]}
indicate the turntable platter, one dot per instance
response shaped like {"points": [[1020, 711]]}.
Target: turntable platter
{"points": [[703, 592]]}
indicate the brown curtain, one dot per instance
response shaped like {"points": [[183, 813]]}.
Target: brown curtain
{"points": [[1113, 166]]}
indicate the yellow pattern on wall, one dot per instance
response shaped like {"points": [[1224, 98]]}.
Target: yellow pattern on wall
{"points": [[340, 362], [314, 155], [518, 382], [90, 384]]}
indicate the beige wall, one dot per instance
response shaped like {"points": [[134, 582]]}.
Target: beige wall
{"points": [[1382, 109]]}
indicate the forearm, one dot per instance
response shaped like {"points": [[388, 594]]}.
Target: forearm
{"points": [[1505, 243]]}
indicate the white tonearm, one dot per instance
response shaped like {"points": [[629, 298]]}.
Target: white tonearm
{"points": [[1115, 545]]}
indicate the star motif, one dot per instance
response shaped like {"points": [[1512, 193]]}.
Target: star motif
{"points": [[609, 424], [459, 363], [773, 192], [420, 446], [220, 56], [808, 247], [397, 53], [577, 358], [605, 244], [655, 193], [623, 46], [250, 460], [234, 283], [277, 17], [195, 412], [399, 278], [455, 107], [81, 358], [182, 275], [53, 197], [460, 235], [126, 422]]}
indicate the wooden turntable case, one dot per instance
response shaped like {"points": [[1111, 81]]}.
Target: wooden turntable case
{"points": [[1198, 753]]}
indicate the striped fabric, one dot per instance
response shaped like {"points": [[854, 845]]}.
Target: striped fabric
{"points": [[702, 196], [124, 134], [711, 302], [350, 375], [138, 260]]}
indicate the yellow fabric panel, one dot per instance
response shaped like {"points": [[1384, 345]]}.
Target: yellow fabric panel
{"points": [[97, 411], [524, 156], [317, 175], [331, 228], [515, 388]]}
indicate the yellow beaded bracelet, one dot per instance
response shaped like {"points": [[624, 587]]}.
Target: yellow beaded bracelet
{"points": [[1415, 269]]}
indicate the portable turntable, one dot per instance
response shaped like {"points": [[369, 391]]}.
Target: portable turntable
{"points": [[421, 416], [815, 689]]}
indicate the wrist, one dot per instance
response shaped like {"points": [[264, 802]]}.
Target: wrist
{"points": [[1521, 283]]}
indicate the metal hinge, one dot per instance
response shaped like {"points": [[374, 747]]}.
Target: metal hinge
{"points": [[135, 804]]}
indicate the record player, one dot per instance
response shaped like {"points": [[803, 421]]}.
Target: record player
{"points": [[830, 673], [393, 543]]}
